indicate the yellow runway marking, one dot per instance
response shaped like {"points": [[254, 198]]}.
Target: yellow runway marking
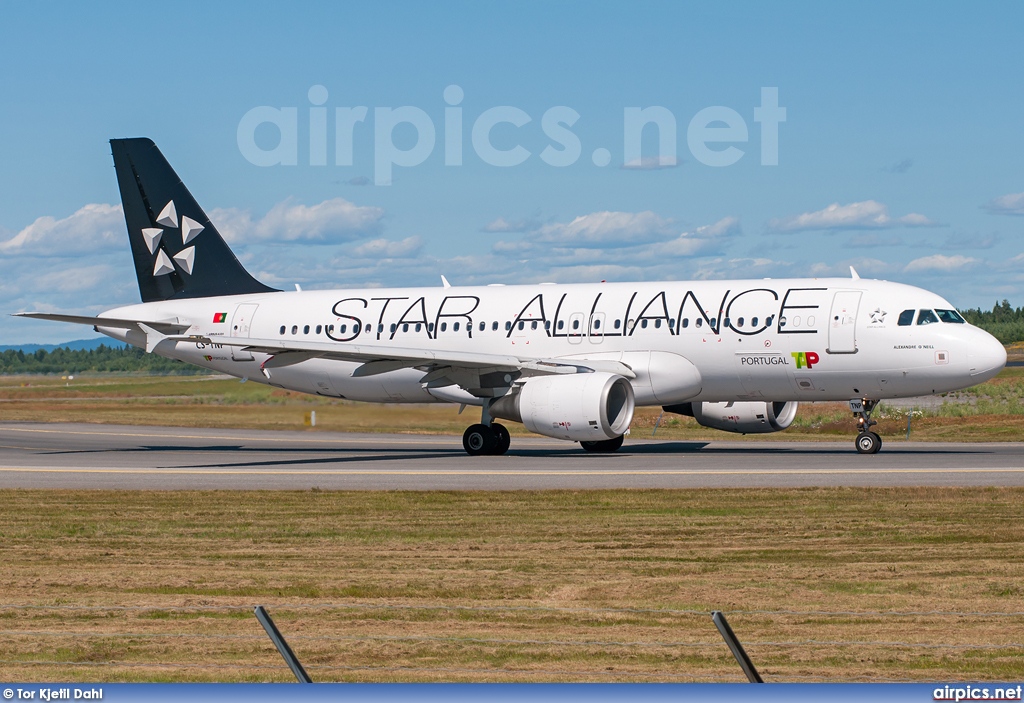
{"points": [[482, 472]]}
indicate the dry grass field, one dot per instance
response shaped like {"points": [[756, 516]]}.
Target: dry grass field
{"points": [[513, 586], [819, 584]]}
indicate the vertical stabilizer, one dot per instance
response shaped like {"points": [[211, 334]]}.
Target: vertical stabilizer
{"points": [[178, 253]]}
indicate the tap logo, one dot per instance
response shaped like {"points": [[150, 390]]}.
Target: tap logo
{"points": [[805, 360]]}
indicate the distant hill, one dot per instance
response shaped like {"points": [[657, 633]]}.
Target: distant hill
{"points": [[76, 345]]}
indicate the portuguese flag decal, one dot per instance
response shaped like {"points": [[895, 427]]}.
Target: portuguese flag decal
{"points": [[220, 317]]}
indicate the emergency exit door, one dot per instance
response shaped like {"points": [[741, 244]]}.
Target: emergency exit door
{"points": [[241, 322], [842, 323]]}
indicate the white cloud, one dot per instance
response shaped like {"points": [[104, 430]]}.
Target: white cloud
{"points": [[502, 225], [651, 163], [939, 262], [389, 249], [1010, 204], [330, 222], [606, 229], [868, 214], [725, 227], [91, 229]]}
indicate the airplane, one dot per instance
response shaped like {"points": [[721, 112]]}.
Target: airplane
{"points": [[571, 362]]}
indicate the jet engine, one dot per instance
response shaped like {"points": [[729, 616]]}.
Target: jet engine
{"points": [[583, 407], [745, 417]]}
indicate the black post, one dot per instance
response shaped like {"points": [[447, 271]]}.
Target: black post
{"points": [[278, 639], [737, 649]]}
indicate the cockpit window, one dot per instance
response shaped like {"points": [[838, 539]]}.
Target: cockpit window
{"points": [[906, 318], [926, 317], [950, 316]]}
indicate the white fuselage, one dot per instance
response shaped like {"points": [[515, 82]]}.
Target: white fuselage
{"points": [[771, 340]]}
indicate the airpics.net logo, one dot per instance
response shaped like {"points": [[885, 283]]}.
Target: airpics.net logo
{"points": [[715, 136]]}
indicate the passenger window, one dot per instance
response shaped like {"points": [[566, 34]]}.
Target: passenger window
{"points": [[380, 328], [657, 324], [713, 321], [753, 322], [318, 328], [575, 324], [494, 326], [330, 328], [405, 326], [926, 317], [430, 328], [393, 327], [951, 316], [305, 330], [483, 326], [597, 324], [508, 326], [455, 327], [282, 329], [561, 324], [739, 322], [686, 322], [444, 326], [906, 318], [418, 326], [727, 322], [768, 320], [671, 324], [295, 329], [643, 323], [618, 324], [782, 321], [533, 325], [344, 328], [698, 323], [368, 328], [547, 324], [522, 324]]}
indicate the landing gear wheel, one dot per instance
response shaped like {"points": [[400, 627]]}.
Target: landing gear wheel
{"points": [[868, 443], [606, 446], [478, 440], [502, 439]]}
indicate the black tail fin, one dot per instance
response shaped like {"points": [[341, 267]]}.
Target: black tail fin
{"points": [[178, 252]]}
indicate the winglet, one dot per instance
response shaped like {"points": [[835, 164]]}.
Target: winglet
{"points": [[445, 283], [853, 274]]}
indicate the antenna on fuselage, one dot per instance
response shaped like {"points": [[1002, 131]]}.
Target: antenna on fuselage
{"points": [[445, 283]]}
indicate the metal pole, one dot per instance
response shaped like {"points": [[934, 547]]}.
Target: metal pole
{"points": [[737, 649], [282, 646], [658, 423]]}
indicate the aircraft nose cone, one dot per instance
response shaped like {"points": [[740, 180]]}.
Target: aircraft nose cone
{"points": [[986, 357]]}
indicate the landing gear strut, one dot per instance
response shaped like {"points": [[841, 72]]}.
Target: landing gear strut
{"points": [[487, 438], [867, 442]]}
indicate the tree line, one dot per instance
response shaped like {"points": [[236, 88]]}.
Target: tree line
{"points": [[1004, 321], [101, 359]]}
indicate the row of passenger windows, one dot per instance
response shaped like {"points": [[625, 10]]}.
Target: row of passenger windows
{"points": [[930, 317], [645, 323]]}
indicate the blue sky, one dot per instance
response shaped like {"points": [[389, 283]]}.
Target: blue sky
{"points": [[900, 152]]}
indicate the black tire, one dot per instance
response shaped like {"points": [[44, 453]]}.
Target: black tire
{"points": [[605, 446], [868, 443], [502, 439], [478, 440]]}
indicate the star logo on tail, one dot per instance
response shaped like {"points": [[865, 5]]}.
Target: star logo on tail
{"points": [[153, 236]]}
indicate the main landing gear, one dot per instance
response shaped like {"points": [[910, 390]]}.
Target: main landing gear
{"points": [[481, 440], [867, 442], [605, 446]]}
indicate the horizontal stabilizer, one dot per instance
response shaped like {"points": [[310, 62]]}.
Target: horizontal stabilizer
{"points": [[164, 327]]}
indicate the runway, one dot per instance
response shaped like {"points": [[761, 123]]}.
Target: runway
{"points": [[129, 457]]}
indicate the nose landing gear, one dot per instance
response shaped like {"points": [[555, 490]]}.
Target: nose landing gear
{"points": [[867, 442]]}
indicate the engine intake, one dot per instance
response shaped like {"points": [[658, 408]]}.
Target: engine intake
{"points": [[583, 407], [744, 417]]}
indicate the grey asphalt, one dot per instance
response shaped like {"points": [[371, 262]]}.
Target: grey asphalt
{"points": [[123, 457]]}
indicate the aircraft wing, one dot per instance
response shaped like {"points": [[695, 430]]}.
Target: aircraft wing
{"points": [[474, 371]]}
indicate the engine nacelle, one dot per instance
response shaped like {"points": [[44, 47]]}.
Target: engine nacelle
{"points": [[746, 417], [582, 407]]}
